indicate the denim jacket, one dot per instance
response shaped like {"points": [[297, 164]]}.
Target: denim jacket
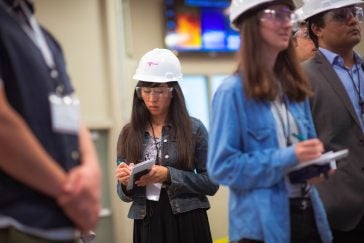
{"points": [[188, 188], [245, 156]]}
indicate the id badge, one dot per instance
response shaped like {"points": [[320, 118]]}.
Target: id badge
{"points": [[153, 191], [65, 114]]}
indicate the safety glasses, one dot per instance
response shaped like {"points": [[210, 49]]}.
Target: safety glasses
{"points": [[280, 16], [342, 15], [158, 92], [302, 32]]}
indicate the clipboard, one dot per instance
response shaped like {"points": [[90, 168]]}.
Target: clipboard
{"points": [[304, 171], [139, 170]]}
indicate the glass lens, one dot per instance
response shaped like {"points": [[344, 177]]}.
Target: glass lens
{"points": [[280, 16], [302, 32], [344, 14], [146, 92]]}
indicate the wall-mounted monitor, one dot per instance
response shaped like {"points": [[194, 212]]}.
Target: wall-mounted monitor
{"points": [[199, 26]]}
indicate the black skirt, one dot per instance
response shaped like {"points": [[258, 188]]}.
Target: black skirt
{"points": [[162, 226]]}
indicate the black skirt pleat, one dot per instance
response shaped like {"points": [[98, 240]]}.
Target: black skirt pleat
{"points": [[162, 226]]}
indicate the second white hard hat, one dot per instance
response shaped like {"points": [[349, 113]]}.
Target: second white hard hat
{"points": [[239, 7], [313, 7], [300, 15], [158, 66]]}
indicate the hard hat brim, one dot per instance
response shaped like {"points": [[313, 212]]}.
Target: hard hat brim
{"points": [[242, 9], [148, 78], [330, 7]]}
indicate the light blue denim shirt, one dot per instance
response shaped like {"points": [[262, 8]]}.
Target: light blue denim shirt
{"points": [[245, 156], [347, 76]]}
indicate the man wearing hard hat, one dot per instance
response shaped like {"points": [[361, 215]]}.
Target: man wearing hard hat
{"points": [[337, 76]]}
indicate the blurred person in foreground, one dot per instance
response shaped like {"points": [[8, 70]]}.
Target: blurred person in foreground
{"points": [[49, 172]]}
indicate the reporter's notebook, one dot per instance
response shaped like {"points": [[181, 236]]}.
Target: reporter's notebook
{"points": [[138, 170]]}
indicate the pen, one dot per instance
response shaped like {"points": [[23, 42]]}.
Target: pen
{"points": [[118, 162], [298, 136]]}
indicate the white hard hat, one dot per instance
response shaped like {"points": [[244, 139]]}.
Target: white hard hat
{"points": [[158, 66], [300, 15], [238, 7], [313, 7]]}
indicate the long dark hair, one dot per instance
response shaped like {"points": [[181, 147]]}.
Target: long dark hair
{"points": [[131, 139], [259, 82]]}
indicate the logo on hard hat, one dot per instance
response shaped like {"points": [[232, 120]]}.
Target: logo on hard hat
{"points": [[152, 63]]}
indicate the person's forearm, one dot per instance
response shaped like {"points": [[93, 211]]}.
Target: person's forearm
{"points": [[23, 158]]}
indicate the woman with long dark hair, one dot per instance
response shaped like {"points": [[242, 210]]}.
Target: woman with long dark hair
{"points": [[169, 203], [259, 116]]}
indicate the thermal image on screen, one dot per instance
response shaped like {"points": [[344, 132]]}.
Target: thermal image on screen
{"points": [[189, 29], [195, 26]]}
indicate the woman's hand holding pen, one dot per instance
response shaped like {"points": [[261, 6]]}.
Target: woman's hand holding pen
{"points": [[123, 172], [308, 150]]}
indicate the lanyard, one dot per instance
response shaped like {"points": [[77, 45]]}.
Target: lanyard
{"points": [[35, 33], [156, 145], [357, 89], [284, 121]]}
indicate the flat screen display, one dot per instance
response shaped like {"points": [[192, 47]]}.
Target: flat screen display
{"points": [[199, 26]]}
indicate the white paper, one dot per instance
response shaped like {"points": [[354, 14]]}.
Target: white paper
{"points": [[154, 191], [326, 158], [145, 165]]}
